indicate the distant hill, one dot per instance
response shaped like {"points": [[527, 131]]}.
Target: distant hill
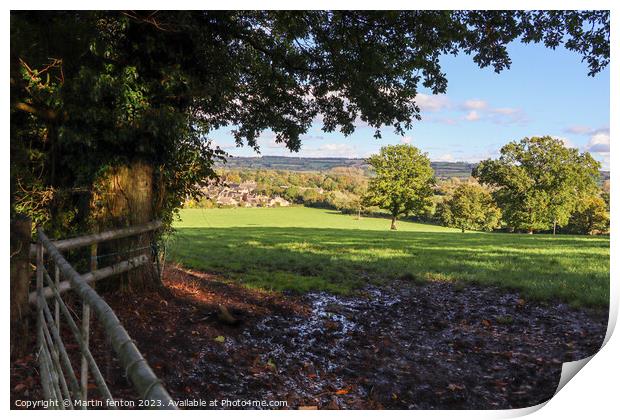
{"points": [[442, 169], [291, 163]]}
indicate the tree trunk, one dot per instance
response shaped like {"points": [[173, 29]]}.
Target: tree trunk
{"points": [[21, 229], [393, 227], [462, 230], [124, 197], [555, 223]]}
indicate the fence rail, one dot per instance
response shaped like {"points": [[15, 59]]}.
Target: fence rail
{"points": [[58, 377], [86, 240]]}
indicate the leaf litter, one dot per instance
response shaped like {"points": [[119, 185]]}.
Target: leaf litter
{"points": [[399, 346]]}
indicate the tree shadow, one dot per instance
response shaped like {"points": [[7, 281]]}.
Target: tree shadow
{"points": [[575, 269]]}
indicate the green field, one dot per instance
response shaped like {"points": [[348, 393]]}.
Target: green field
{"points": [[304, 249]]}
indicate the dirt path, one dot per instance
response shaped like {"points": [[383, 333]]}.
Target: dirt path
{"points": [[432, 346]]}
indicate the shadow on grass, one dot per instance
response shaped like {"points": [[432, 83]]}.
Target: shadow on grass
{"points": [[571, 268]]}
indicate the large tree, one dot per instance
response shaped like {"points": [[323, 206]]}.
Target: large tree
{"points": [[470, 206], [403, 181], [538, 182], [91, 90]]}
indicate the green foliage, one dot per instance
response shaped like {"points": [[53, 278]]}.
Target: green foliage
{"points": [[338, 188], [538, 182], [103, 102], [95, 89], [403, 181], [301, 249], [591, 216], [470, 207]]}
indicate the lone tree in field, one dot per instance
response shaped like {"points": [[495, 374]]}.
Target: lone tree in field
{"points": [[539, 182], [403, 183], [470, 207]]}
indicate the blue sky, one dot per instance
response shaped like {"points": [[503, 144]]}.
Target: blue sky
{"points": [[545, 92]]}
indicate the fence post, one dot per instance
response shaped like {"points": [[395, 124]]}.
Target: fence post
{"points": [[21, 232]]}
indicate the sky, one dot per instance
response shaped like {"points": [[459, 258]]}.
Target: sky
{"points": [[545, 92]]}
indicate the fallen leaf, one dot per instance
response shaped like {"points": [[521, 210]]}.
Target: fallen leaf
{"points": [[19, 387], [455, 387], [220, 338], [308, 407], [342, 392]]}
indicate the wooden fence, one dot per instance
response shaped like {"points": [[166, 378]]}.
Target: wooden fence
{"points": [[58, 377]]}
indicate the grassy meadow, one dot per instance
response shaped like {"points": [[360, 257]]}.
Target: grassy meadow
{"points": [[302, 249]]}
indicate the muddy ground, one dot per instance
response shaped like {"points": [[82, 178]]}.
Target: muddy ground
{"points": [[402, 346]]}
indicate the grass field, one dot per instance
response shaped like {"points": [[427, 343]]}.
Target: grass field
{"points": [[304, 249]]}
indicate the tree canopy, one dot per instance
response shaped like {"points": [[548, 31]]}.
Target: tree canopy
{"points": [[590, 216], [403, 181], [539, 182], [470, 207], [92, 89]]}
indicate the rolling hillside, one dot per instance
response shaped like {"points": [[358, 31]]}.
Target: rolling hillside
{"points": [[442, 169]]}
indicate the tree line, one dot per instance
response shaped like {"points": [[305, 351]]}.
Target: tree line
{"points": [[536, 185]]}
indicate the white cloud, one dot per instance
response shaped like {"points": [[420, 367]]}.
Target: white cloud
{"points": [[472, 116], [578, 129], [599, 142], [268, 140], [441, 120], [331, 150], [508, 116], [449, 121], [567, 142], [223, 146], [604, 159], [312, 137], [406, 140], [474, 104], [446, 157], [432, 103], [505, 111]]}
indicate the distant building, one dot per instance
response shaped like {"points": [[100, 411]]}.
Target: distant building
{"points": [[227, 201], [242, 194], [278, 202]]}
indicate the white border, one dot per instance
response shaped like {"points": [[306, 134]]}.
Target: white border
{"points": [[594, 393]]}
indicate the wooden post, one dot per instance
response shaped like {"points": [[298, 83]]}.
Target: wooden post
{"points": [[21, 228]]}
